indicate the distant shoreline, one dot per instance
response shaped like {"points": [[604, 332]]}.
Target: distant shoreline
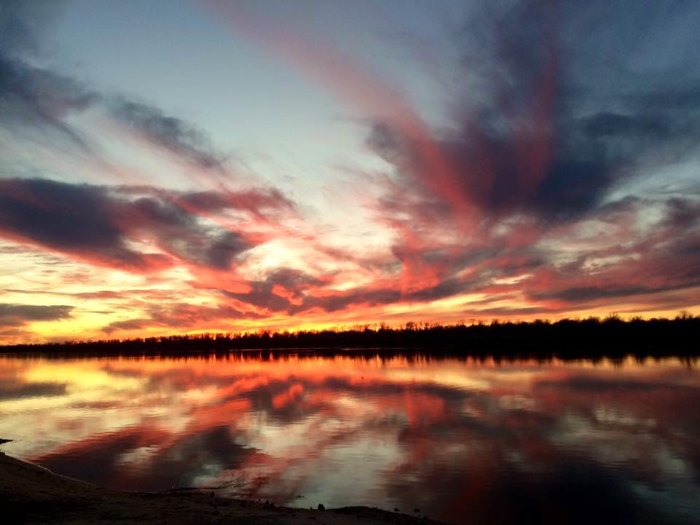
{"points": [[567, 339]]}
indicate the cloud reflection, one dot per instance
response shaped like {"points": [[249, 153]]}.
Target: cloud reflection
{"points": [[454, 438]]}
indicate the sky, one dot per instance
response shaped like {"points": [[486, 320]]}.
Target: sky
{"points": [[194, 166]]}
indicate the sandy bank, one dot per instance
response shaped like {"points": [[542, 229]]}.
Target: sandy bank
{"points": [[32, 494]]}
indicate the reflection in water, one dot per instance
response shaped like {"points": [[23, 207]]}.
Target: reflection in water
{"points": [[464, 441]]}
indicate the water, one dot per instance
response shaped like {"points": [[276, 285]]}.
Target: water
{"points": [[460, 440]]}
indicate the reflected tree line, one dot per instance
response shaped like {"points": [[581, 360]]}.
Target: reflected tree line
{"points": [[590, 338]]}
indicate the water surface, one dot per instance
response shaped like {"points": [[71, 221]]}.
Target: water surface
{"points": [[460, 440]]}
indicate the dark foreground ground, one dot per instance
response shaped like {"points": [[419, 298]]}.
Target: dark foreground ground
{"points": [[32, 494]]}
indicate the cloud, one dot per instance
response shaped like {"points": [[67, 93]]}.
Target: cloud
{"points": [[532, 135], [534, 147], [178, 315], [292, 292], [284, 290], [544, 131], [102, 224], [513, 272], [74, 219], [21, 23], [165, 131], [584, 294], [31, 96], [129, 324], [13, 315], [258, 201], [682, 213], [40, 99]]}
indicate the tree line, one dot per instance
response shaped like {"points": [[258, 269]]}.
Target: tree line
{"points": [[565, 339]]}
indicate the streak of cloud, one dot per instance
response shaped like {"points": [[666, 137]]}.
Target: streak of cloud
{"points": [[100, 224], [13, 315]]}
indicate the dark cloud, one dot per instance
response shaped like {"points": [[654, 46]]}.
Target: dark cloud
{"points": [[99, 223], [40, 99], [224, 248], [682, 213], [181, 234], [284, 290], [130, 324], [583, 294], [15, 32], [293, 280], [356, 297], [607, 124], [21, 22], [548, 124], [601, 290], [29, 95], [255, 200], [165, 131], [70, 218], [664, 259], [529, 311], [175, 316], [559, 106], [297, 295], [13, 315]]}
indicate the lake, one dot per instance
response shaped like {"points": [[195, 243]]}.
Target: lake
{"points": [[462, 440]]}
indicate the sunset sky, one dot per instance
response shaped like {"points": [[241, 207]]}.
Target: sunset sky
{"points": [[182, 166]]}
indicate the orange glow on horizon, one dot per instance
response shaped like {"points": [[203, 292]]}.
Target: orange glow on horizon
{"points": [[84, 331]]}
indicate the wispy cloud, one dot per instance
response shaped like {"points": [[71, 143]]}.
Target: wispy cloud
{"points": [[101, 224], [165, 131], [14, 315], [41, 100]]}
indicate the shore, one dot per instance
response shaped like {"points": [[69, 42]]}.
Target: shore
{"points": [[32, 494]]}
